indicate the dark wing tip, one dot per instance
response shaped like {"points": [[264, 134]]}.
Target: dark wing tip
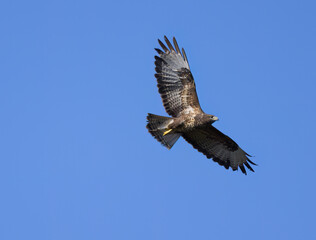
{"points": [[163, 46], [169, 44], [159, 51], [248, 154], [176, 45], [249, 167], [159, 60], [185, 56], [242, 168], [252, 162]]}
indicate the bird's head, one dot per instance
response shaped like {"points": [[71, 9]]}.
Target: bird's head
{"points": [[213, 118]]}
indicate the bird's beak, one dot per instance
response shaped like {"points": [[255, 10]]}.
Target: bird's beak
{"points": [[215, 118]]}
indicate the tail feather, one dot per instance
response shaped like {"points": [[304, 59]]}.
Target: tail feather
{"points": [[157, 126]]}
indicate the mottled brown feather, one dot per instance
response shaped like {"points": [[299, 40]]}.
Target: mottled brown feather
{"points": [[216, 145], [175, 81]]}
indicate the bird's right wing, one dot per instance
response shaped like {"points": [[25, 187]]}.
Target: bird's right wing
{"points": [[175, 81], [221, 148]]}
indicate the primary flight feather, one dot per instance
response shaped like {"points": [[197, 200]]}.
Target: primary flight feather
{"points": [[177, 90]]}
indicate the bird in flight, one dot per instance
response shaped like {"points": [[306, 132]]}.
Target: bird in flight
{"points": [[177, 90]]}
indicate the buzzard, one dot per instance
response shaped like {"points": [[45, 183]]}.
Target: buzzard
{"points": [[177, 90]]}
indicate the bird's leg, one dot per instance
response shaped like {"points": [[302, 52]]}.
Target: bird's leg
{"points": [[167, 131]]}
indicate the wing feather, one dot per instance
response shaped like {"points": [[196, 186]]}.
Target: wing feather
{"points": [[176, 45], [185, 56], [163, 46], [221, 148], [159, 51], [175, 81], [169, 44]]}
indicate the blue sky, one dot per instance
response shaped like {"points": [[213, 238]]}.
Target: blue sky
{"points": [[77, 81]]}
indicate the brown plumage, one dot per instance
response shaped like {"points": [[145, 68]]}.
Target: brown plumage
{"points": [[177, 90]]}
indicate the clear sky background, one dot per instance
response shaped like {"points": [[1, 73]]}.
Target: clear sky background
{"points": [[77, 81]]}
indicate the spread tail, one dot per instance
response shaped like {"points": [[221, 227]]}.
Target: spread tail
{"points": [[157, 127]]}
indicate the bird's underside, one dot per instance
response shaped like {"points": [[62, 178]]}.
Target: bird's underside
{"points": [[177, 89]]}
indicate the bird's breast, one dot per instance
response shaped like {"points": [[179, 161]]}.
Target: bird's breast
{"points": [[189, 122]]}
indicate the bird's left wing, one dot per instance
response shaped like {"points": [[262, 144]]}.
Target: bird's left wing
{"points": [[175, 81], [221, 148]]}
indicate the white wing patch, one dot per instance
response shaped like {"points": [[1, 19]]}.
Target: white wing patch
{"points": [[189, 110]]}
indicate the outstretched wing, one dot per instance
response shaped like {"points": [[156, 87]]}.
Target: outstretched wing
{"points": [[175, 81], [221, 148]]}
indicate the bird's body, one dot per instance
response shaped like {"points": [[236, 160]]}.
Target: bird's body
{"points": [[177, 89], [188, 122]]}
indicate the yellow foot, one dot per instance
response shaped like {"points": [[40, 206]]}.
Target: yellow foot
{"points": [[166, 132]]}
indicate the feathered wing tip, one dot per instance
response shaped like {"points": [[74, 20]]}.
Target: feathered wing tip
{"points": [[156, 127], [159, 51], [169, 44], [171, 48], [176, 45], [185, 56], [246, 163], [251, 161], [242, 168], [163, 46]]}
